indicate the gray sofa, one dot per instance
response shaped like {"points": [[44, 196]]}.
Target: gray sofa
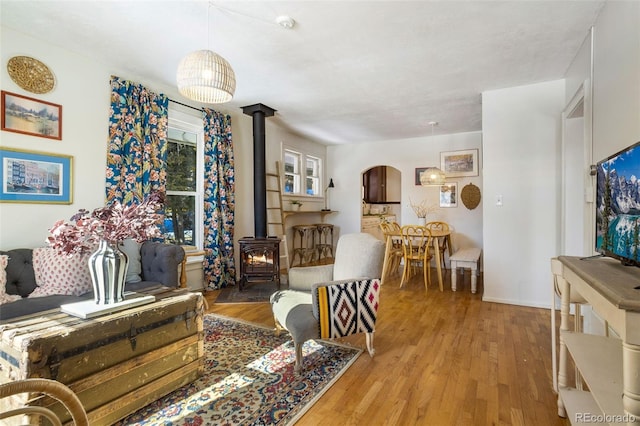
{"points": [[159, 266]]}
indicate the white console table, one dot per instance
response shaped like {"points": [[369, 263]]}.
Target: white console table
{"points": [[610, 366]]}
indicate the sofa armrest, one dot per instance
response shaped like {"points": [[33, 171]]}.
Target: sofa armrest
{"points": [[21, 278], [302, 278], [160, 262]]}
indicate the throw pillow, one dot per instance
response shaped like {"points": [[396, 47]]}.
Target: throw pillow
{"points": [[4, 297], [60, 274], [132, 249]]}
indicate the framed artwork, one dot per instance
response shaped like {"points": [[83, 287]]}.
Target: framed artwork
{"points": [[449, 195], [30, 116], [459, 163], [419, 172], [35, 177]]}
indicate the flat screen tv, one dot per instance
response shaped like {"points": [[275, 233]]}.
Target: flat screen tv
{"points": [[618, 206]]}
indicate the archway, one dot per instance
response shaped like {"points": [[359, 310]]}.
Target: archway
{"points": [[381, 197]]}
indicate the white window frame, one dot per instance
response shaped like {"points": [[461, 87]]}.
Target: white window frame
{"points": [[300, 174], [193, 124], [296, 174], [317, 177]]}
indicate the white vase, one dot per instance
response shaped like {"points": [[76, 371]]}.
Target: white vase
{"points": [[108, 267], [422, 221]]}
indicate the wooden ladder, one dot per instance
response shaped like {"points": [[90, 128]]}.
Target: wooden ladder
{"points": [[275, 215]]}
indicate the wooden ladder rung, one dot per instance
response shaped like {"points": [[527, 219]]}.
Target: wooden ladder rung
{"points": [[278, 228]]}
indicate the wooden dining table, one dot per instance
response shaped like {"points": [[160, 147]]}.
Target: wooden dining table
{"points": [[435, 234]]}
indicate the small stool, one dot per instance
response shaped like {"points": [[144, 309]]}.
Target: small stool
{"points": [[324, 244], [466, 258], [306, 250]]}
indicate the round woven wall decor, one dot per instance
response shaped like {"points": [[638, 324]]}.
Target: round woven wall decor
{"points": [[470, 196], [31, 74]]}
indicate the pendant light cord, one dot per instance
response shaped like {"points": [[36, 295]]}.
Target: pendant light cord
{"points": [[208, 26]]}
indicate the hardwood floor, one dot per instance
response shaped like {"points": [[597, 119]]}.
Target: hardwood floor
{"points": [[442, 358]]}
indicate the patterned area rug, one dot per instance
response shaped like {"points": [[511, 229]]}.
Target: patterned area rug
{"points": [[252, 293], [249, 379]]}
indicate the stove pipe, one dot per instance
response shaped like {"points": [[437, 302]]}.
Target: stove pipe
{"points": [[259, 112]]}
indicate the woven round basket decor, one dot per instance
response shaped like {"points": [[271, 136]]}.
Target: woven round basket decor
{"points": [[31, 74], [470, 196]]}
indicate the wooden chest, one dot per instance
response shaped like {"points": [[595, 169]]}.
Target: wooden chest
{"points": [[116, 363]]}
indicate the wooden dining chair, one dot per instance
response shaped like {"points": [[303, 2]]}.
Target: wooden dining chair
{"points": [[441, 241], [395, 254], [416, 251]]}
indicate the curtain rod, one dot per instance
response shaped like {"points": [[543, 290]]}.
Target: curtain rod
{"points": [[185, 105]]}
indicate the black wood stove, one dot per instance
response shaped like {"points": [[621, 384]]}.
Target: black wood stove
{"points": [[259, 260], [259, 255]]}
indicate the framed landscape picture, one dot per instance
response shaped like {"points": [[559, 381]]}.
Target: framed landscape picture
{"points": [[30, 116], [35, 177], [459, 163], [449, 195]]}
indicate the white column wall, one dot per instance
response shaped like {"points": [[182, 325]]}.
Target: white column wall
{"points": [[521, 137]]}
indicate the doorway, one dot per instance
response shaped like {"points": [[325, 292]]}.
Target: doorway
{"points": [[577, 226]]}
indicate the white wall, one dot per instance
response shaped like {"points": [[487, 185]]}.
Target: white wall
{"points": [[616, 69], [616, 90], [576, 189], [85, 103], [521, 136], [82, 88], [579, 70], [347, 162], [83, 91]]}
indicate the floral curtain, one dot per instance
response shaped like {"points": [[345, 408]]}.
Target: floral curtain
{"points": [[219, 201], [137, 151]]}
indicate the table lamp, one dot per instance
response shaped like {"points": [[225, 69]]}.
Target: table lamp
{"points": [[331, 185]]}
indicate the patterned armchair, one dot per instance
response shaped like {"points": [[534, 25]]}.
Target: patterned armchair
{"points": [[330, 301]]}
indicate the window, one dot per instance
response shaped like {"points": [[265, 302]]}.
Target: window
{"points": [[183, 212], [313, 176], [302, 174], [292, 162]]}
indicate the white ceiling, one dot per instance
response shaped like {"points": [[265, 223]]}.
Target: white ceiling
{"points": [[349, 71]]}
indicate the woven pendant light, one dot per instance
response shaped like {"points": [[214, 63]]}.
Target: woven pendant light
{"points": [[432, 176], [205, 76]]}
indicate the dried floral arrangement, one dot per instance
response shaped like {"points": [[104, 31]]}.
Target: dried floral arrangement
{"points": [[113, 223], [423, 209]]}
